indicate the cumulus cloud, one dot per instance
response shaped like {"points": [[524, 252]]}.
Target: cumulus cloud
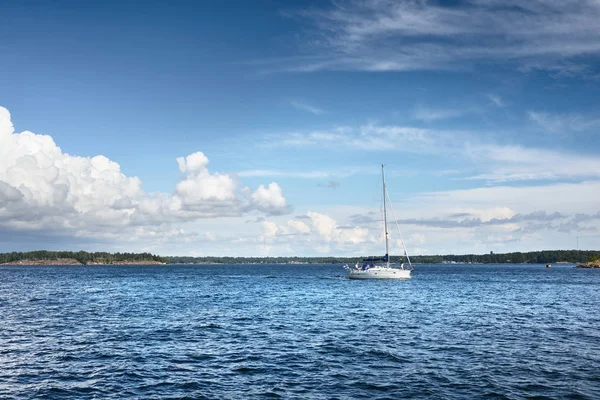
{"points": [[353, 235], [269, 200], [324, 225], [320, 232], [43, 188], [298, 226], [195, 162], [200, 188], [269, 231], [329, 231]]}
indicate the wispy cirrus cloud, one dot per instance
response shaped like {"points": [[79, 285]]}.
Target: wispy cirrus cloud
{"points": [[495, 163], [372, 137], [564, 124], [288, 174], [316, 174], [517, 163], [386, 35], [428, 114], [330, 185], [496, 100], [306, 107]]}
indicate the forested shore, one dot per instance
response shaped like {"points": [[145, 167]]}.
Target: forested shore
{"points": [[43, 257], [533, 257]]}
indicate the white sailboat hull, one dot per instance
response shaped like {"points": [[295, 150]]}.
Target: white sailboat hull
{"points": [[385, 271], [380, 273]]}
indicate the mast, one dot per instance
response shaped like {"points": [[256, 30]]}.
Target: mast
{"points": [[387, 245]]}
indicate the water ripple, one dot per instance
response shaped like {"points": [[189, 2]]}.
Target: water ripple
{"points": [[269, 331]]}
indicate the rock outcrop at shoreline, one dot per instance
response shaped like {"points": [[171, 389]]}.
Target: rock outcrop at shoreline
{"points": [[591, 264]]}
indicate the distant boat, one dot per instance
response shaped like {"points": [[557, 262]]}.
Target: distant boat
{"points": [[368, 269], [548, 265]]}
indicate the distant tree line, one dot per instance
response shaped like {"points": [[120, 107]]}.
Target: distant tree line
{"points": [[82, 256], [259, 260], [532, 257]]}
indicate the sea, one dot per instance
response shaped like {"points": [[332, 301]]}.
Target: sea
{"points": [[298, 332]]}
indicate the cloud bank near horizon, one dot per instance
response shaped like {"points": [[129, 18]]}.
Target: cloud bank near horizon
{"points": [[44, 189], [47, 194]]}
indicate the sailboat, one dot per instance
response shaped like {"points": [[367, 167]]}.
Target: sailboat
{"points": [[386, 270]]}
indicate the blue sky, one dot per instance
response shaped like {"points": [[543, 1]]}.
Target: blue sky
{"points": [[485, 113]]}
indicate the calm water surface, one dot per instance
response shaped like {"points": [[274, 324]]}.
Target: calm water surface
{"points": [[282, 331]]}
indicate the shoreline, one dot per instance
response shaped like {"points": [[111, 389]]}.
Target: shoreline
{"points": [[591, 264], [71, 261]]}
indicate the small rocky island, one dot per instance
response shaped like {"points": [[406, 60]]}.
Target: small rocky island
{"points": [[591, 264]]}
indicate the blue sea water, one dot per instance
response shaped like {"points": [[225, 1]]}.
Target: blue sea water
{"points": [[298, 331]]}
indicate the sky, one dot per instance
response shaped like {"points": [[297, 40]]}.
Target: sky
{"points": [[259, 128]]}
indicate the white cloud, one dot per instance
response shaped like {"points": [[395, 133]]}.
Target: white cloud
{"points": [[199, 189], [287, 174], [328, 230], [414, 239], [516, 163], [307, 107], [194, 163], [329, 185], [502, 201], [340, 172], [298, 226], [375, 35], [209, 236], [353, 235], [504, 218], [372, 137], [47, 191], [429, 114], [496, 100], [324, 225], [564, 124], [521, 218], [44, 189], [484, 214], [269, 199], [495, 163], [269, 231]]}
